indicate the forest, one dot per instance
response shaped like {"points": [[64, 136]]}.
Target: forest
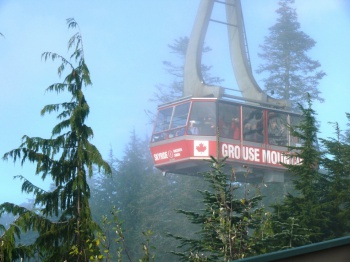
{"points": [[124, 209]]}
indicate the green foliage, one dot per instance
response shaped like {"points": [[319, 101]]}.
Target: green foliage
{"points": [[290, 73], [309, 206], [346, 136], [145, 199], [285, 234], [112, 242], [62, 217], [337, 165], [8, 249], [111, 238], [224, 223], [308, 171], [147, 248]]}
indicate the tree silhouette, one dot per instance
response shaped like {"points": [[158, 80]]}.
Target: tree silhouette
{"points": [[62, 216], [169, 92], [309, 205], [289, 73]]}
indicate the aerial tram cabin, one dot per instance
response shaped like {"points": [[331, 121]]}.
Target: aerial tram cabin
{"points": [[251, 129], [191, 130]]}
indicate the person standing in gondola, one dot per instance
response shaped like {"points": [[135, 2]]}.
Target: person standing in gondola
{"points": [[208, 128], [254, 126]]}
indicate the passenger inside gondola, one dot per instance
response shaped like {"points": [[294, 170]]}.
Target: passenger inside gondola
{"points": [[230, 128], [229, 121], [180, 132], [193, 128], [208, 127], [235, 126], [224, 126], [277, 129], [254, 126]]}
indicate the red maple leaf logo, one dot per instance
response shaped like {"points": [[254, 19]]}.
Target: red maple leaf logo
{"points": [[201, 148]]}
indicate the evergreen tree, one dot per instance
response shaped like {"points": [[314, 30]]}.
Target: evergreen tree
{"points": [[224, 223], [131, 173], [337, 166], [173, 91], [62, 216], [122, 191], [144, 199], [161, 196], [346, 137], [282, 234], [104, 190], [309, 205], [290, 72]]}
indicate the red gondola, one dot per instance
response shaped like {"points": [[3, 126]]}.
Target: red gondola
{"points": [[191, 130], [250, 130]]}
